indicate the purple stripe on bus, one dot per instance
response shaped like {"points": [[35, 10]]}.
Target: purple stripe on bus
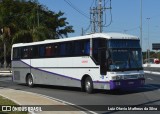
{"points": [[59, 74], [50, 72]]}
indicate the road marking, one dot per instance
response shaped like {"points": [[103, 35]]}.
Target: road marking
{"points": [[149, 78], [154, 87], [151, 72]]}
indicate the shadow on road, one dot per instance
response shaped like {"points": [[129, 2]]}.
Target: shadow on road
{"points": [[145, 88]]}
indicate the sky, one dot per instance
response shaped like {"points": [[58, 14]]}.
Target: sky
{"points": [[125, 17]]}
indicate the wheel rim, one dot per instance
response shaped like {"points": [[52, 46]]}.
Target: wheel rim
{"points": [[30, 81], [88, 85]]}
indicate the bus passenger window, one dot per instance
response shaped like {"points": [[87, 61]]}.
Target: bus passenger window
{"points": [[62, 49], [79, 48], [35, 52], [56, 50], [86, 47], [25, 53], [30, 52], [48, 51], [69, 49], [42, 51], [16, 53]]}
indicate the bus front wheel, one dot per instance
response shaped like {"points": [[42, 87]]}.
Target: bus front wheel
{"points": [[30, 81], [88, 85]]}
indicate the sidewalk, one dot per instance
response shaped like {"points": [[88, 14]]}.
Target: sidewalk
{"points": [[2, 70], [28, 98]]}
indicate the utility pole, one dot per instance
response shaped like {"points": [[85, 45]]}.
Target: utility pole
{"points": [[96, 14], [4, 45], [82, 32], [141, 39], [148, 42], [141, 25], [93, 19], [100, 18]]}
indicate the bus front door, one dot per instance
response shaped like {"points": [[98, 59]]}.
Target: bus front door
{"points": [[102, 61]]}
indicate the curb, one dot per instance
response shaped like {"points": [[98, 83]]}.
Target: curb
{"points": [[5, 71], [4, 75]]}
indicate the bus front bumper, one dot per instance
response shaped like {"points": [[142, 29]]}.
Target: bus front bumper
{"points": [[122, 84]]}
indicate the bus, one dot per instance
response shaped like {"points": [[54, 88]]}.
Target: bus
{"points": [[106, 61]]}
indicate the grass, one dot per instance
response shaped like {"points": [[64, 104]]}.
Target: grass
{"points": [[7, 102]]}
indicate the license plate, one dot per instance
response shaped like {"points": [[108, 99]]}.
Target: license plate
{"points": [[130, 82]]}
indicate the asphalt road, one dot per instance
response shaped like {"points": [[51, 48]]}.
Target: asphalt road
{"points": [[147, 95]]}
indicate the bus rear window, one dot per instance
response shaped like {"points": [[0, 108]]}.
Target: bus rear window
{"points": [[16, 53]]}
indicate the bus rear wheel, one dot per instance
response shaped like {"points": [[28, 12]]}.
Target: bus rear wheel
{"points": [[89, 85], [30, 81]]}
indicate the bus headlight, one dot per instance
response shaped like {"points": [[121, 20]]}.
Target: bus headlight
{"points": [[141, 76], [118, 83], [116, 77]]}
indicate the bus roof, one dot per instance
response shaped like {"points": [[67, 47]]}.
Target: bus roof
{"points": [[95, 35]]}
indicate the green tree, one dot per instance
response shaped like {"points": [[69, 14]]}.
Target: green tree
{"points": [[24, 21], [5, 26]]}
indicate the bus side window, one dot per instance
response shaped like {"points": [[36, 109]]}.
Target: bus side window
{"points": [[62, 49], [86, 47], [95, 49], [69, 49], [48, 51], [35, 52], [98, 44], [30, 52], [56, 50], [79, 48], [16, 53], [41, 51], [24, 53], [27, 52]]}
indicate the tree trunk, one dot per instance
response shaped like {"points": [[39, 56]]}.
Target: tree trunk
{"points": [[5, 63]]}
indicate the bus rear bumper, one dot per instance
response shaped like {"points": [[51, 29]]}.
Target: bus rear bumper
{"points": [[122, 84]]}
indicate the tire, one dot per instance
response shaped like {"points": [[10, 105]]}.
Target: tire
{"points": [[88, 85], [30, 81]]}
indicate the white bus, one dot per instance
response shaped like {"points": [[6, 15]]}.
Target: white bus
{"points": [[97, 61]]}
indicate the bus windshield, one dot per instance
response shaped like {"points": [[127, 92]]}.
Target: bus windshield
{"points": [[125, 59], [125, 56]]}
